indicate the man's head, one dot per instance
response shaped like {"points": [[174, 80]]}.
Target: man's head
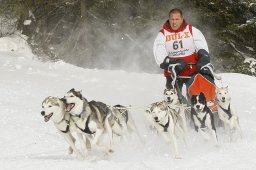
{"points": [[175, 18]]}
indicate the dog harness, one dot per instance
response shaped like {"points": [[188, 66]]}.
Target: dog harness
{"points": [[86, 129], [67, 128], [68, 122], [227, 111], [166, 125], [202, 121]]}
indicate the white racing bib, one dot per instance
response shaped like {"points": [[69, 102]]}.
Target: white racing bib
{"points": [[179, 44]]}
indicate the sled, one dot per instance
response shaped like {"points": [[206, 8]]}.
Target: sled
{"points": [[195, 85]]}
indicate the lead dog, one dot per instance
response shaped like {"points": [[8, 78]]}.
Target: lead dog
{"points": [[53, 109], [202, 117], [92, 118], [167, 123], [226, 112]]}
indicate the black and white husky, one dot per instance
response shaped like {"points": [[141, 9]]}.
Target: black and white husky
{"points": [[226, 112], [167, 123], [202, 117], [54, 109]]}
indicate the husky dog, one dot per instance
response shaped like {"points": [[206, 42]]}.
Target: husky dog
{"points": [[90, 117], [53, 109], [167, 123], [202, 117], [172, 99], [121, 121], [225, 110], [171, 96]]}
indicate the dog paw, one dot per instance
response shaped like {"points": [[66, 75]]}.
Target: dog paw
{"points": [[206, 138], [178, 157], [92, 158], [70, 151], [79, 157], [217, 145], [111, 151]]}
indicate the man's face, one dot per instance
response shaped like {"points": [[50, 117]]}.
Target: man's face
{"points": [[175, 20]]}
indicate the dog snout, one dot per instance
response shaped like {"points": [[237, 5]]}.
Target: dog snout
{"points": [[197, 106], [168, 98], [223, 98], [42, 113], [156, 118]]}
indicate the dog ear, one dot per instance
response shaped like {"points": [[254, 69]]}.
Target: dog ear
{"points": [[79, 94], [193, 97], [202, 96], [165, 90], [63, 100], [148, 110], [226, 88], [175, 91], [71, 90]]}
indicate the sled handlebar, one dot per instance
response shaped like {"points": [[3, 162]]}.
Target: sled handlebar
{"points": [[210, 67], [174, 75]]}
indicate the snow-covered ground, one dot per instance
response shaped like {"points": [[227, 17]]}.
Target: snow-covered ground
{"points": [[27, 142]]}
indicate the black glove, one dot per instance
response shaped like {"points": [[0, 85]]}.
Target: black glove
{"points": [[203, 58], [165, 63], [206, 72], [181, 65]]}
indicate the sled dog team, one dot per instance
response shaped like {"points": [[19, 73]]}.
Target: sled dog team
{"points": [[91, 120]]}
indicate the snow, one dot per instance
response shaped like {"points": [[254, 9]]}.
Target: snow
{"points": [[28, 143]]}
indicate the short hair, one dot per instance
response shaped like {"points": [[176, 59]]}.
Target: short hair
{"points": [[176, 10]]}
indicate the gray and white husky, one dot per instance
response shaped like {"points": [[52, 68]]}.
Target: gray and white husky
{"points": [[54, 109], [92, 118], [121, 122], [167, 123], [226, 111], [172, 99]]}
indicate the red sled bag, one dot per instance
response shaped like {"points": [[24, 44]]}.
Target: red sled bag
{"points": [[199, 83]]}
